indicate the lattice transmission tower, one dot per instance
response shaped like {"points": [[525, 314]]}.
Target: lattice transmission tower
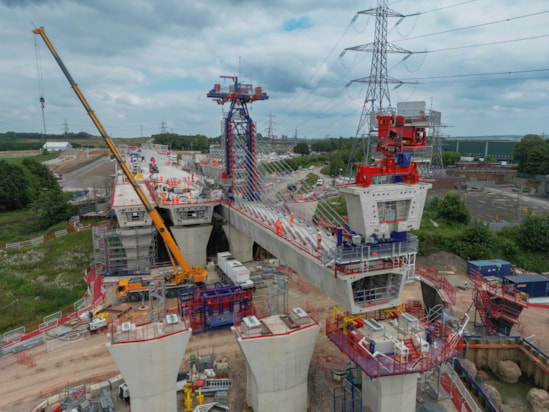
{"points": [[378, 99]]}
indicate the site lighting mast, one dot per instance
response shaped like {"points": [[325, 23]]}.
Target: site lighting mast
{"points": [[239, 134]]}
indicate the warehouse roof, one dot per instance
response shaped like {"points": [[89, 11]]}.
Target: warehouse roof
{"points": [[57, 146]]}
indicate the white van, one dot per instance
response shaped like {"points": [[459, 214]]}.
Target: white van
{"points": [[320, 182]]}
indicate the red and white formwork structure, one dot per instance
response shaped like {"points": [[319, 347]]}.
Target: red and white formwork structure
{"points": [[384, 203], [391, 354], [498, 305]]}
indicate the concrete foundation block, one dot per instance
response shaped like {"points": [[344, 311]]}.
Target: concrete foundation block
{"points": [[115, 382], [96, 388]]}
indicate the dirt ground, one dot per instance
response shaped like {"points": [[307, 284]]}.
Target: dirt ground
{"points": [[83, 169], [89, 360], [21, 385]]}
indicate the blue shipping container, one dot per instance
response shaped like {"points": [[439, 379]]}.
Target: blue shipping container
{"points": [[537, 286], [491, 267]]}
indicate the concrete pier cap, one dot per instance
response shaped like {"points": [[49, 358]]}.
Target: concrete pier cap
{"points": [[149, 357], [278, 350]]}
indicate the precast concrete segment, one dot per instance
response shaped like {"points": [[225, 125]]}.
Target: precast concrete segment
{"points": [[193, 242], [390, 393], [381, 209], [149, 358], [309, 266], [277, 367]]}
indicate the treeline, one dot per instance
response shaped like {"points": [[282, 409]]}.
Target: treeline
{"points": [[30, 184], [11, 141], [532, 155], [174, 141]]}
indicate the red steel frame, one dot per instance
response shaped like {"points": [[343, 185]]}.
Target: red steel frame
{"points": [[388, 365]]}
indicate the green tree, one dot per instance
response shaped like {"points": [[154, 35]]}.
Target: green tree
{"points": [[302, 149], [453, 209], [476, 242], [532, 155], [533, 233], [15, 184], [52, 207], [520, 151], [537, 160], [450, 158], [44, 176]]}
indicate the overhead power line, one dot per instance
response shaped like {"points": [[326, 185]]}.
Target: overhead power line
{"points": [[479, 74], [473, 27], [483, 44]]}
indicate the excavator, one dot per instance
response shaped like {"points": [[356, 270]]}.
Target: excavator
{"points": [[183, 273]]}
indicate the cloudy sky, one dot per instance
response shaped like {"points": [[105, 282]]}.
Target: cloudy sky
{"points": [[145, 65]]}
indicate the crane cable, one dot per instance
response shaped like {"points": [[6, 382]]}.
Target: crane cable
{"points": [[40, 85]]}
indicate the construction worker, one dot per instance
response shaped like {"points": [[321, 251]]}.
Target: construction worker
{"points": [[291, 219], [278, 226], [318, 239]]}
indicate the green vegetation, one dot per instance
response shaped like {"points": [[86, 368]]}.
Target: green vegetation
{"points": [[38, 281], [445, 228], [178, 142], [21, 225], [532, 155], [450, 158]]}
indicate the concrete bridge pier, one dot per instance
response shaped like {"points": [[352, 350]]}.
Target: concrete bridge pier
{"points": [[240, 244], [390, 393], [193, 242]]}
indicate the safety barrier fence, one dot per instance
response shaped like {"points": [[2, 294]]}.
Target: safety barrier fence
{"points": [[460, 396], [475, 387], [68, 339], [44, 238], [435, 279], [24, 358], [379, 364], [127, 332], [93, 298], [288, 232], [496, 288]]}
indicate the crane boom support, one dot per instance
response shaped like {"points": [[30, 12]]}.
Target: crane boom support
{"points": [[199, 273]]}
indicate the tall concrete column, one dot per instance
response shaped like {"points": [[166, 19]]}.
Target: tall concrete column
{"points": [[193, 242], [241, 244], [390, 393], [149, 358], [277, 365]]}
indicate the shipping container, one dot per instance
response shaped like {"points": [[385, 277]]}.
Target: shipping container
{"points": [[536, 286], [490, 267]]}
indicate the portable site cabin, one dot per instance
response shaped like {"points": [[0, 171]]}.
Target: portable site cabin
{"points": [[537, 286], [491, 267]]}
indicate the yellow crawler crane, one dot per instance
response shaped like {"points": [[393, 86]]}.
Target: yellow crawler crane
{"points": [[183, 272]]}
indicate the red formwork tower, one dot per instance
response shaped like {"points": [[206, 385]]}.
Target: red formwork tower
{"points": [[240, 137], [215, 307], [498, 305]]}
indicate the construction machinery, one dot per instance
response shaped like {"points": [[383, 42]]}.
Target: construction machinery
{"points": [[99, 322], [182, 271], [97, 319]]}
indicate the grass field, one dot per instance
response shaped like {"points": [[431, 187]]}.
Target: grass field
{"points": [[37, 281]]}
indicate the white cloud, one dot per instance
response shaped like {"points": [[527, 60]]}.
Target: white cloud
{"points": [[141, 63]]}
